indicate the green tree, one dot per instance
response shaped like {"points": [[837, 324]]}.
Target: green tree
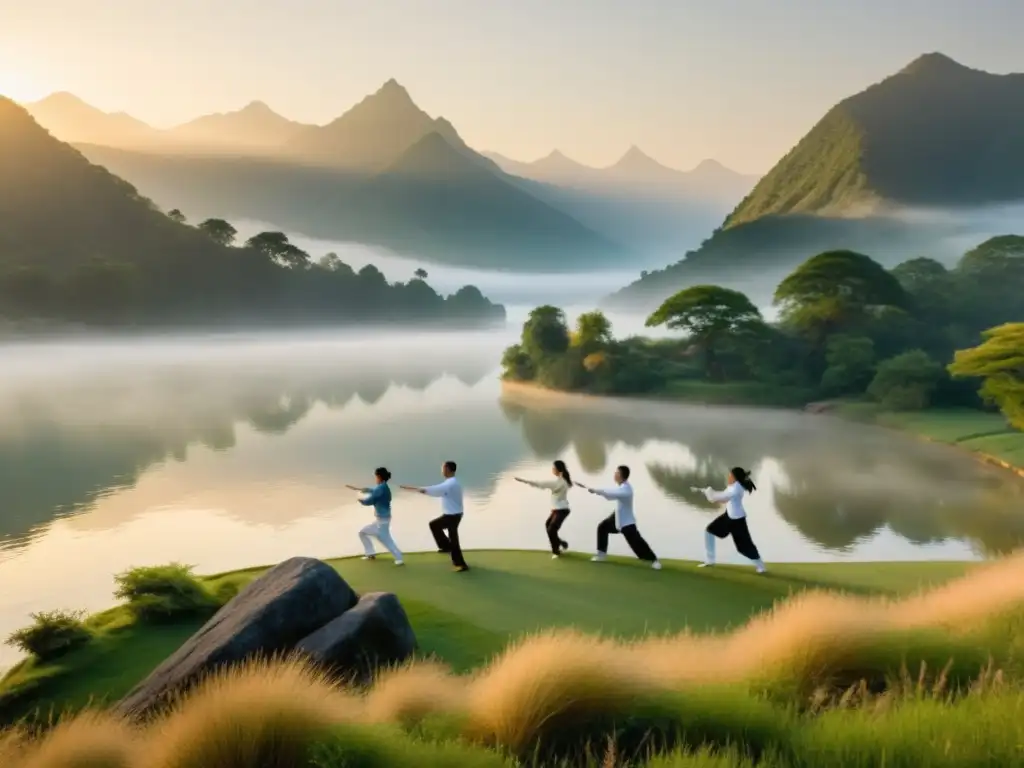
{"points": [[545, 334], [516, 365], [833, 291], [707, 314], [851, 364], [999, 362], [219, 231], [990, 283], [906, 382], [593, 331], [276, 247], [420, 274], [176, 216]]}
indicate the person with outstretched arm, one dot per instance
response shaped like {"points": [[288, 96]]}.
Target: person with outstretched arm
{"points": [[622, 520], [732, 522], [378, 497], [559, 487], [446, 527]]}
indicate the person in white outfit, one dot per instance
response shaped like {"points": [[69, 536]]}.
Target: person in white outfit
{"points": [[378, 497], [559, 487], [732, 522], [622, 520], [446, 527]]}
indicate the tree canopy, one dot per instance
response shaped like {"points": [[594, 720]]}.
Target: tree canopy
{"points": [[999, 362]]}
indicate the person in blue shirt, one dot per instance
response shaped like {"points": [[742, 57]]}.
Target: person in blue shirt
{"points": [[378, 497]]}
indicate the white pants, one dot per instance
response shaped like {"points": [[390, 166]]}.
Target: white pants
{"points": [[380, 530]]}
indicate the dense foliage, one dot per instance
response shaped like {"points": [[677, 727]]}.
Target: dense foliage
{"points": [[847, 328], [267, 280]]}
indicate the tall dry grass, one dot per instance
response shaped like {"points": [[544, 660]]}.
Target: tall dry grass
{"points": [[268, 714], [566, 695], [92, 740]]}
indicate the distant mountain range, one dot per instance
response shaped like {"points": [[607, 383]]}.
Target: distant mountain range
{"points": [[935, 135], [637, 172], [321, 181]]}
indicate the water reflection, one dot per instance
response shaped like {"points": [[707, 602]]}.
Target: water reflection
{"points": [[838, 485], [231, 453], [69, 444]]}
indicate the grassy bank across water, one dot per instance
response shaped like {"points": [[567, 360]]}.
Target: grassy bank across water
{"points": [[465, 620], [988, 435]]}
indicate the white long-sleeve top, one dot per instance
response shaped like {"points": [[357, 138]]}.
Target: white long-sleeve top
{"points": [[450, 493], [733, 498], [559, 491], [622, 495]]}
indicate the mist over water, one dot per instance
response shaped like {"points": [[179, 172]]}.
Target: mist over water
{"points": [[232, 450], [509, 288]]}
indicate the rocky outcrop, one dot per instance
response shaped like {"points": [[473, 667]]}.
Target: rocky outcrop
{"points": [[270, 616], [375, 633]]}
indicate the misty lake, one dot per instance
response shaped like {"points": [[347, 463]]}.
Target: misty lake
{"points": [[232, 451]]}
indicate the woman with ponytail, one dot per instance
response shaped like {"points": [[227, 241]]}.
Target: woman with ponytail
{"points": [[559, 487], [732, 522], [378, 497]]}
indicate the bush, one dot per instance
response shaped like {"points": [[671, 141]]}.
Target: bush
{"points": [[52, 634], [164, 592], [906, 382]]}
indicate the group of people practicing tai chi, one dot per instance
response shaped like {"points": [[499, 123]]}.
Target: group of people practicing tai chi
{"points": [[732, 522]]}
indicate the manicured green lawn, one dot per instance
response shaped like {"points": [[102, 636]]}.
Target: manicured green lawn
{"points": [[464, 619], [974, 431]]}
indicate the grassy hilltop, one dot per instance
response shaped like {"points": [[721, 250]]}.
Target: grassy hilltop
{"points": [[533, 662]]}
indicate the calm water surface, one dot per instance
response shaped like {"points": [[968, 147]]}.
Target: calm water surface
{"points": [[225, 452]]}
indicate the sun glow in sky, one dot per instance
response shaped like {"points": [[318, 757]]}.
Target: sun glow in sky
{"points": [[17, 84], [736, 80]]}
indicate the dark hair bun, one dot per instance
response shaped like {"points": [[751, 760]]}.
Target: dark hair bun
{"points": [[382, 473]]}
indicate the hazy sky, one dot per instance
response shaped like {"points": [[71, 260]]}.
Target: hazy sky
{"points": [[737, 80]]}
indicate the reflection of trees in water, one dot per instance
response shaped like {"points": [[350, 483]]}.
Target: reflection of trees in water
{"points": [[841, 484], [549, 432], [929, 500], [53, 463], [676, 482]]}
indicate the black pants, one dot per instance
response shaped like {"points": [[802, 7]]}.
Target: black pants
{"points": [[553, 526], [446, 533], [629, 532], [724, 526]]}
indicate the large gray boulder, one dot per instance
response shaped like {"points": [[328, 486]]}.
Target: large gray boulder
{"points": [[268, 617], [375, 633]]}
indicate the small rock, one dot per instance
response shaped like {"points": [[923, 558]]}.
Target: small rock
{"points": [[375, 633]]}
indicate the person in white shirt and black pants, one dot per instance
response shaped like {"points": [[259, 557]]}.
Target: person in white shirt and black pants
{"points": [[732, 522], [446, 527], [559, 488], [622, 520]]}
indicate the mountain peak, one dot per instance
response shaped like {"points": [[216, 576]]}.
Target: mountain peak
{"points": [[933, 63], [256, 108], [709, 165], [393, 91], [636, 159], [62, 99]]}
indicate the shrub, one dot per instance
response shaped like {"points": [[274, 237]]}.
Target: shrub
{"points": [[906, 382], [52, 634], [164, 592]]}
